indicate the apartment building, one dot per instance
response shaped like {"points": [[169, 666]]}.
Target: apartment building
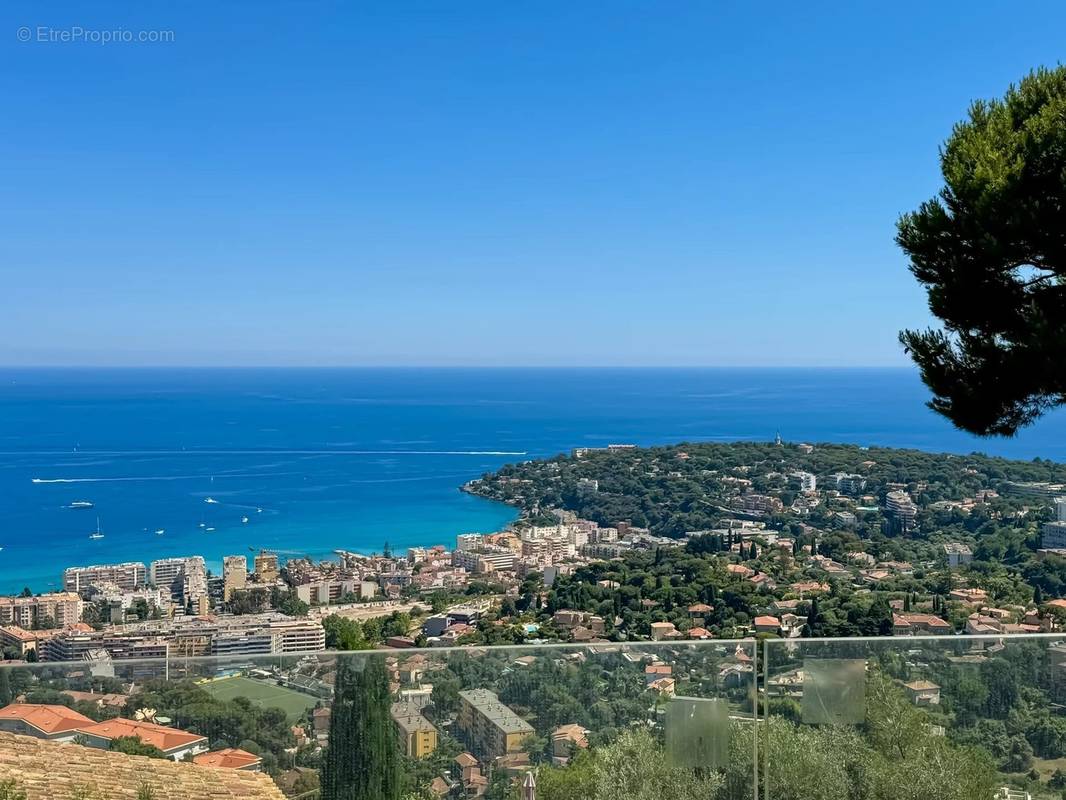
{"points": [[848, 483], [488, 727], [252, 634], [185, 577], [804, 481], [234, 575], [417, 734], [266, 567], [483, 560], [469, 541], [901, 508], [759, 504], [130, 575], [76, 645], [1053, 534], [958, 554], [1034, 490], [61, 608], [271, 637]]}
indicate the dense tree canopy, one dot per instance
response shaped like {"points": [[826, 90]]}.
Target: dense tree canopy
{"points": [[991, 251]]}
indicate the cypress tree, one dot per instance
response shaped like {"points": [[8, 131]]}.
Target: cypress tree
{"points": [[362, 760], [814, 618], [5, 687], [1038, 596]]}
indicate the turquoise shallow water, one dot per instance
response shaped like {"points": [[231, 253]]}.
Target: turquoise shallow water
{"points": [[354, 458]]}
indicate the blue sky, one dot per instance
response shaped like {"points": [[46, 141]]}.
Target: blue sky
{"points": [[481, 182]]}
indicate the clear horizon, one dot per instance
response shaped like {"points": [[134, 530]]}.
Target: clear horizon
{"points": [[485, 185]]}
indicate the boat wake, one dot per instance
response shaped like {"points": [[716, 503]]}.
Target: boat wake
{"points": [[268, 452], [159, 478]]}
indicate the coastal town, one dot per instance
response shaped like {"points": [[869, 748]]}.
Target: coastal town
{"points": [[780, 541], [794, 541]]}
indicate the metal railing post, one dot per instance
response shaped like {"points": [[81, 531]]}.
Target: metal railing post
{"points": [[755, 720], [766, 724]]}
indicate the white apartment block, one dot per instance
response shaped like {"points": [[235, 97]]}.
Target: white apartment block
{"points": [[185, 577], [469, 541], [806, 481], [130, 575]]}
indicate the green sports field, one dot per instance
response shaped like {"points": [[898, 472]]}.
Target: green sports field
{"points": [[262, 694]]}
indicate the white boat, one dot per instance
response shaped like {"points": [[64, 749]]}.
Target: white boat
{"points": [[208, 529], [210, 500], [97, 534], [160, 531], [244, 519], [80, 504]]}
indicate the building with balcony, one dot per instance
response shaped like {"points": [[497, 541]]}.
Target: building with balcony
{"points": [[418, 736], [848, 483], [1053, 534], [490, 729], [266, 567], [901, 510], [185, 578], [130, 575], [234, 575], [60, 608]]}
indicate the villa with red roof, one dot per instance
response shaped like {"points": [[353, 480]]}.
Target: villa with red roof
{"points": [[767, 624], [55, 723], [175, 744]]}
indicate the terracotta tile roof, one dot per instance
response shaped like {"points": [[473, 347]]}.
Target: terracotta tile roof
{"points": [[921, 686], [439, 787], [166, 739], [50, 770], [767, 622], [21, 634], [113, 700], [466, 760], [573, 733], [229, 758], [47, 719]]}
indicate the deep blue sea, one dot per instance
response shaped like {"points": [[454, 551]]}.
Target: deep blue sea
{"points": [[320, 459]]}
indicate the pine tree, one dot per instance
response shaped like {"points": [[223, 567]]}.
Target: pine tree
{"points": [[362, 760]]}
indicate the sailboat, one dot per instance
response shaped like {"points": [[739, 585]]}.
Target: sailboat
{"points": [[97, 534]]}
